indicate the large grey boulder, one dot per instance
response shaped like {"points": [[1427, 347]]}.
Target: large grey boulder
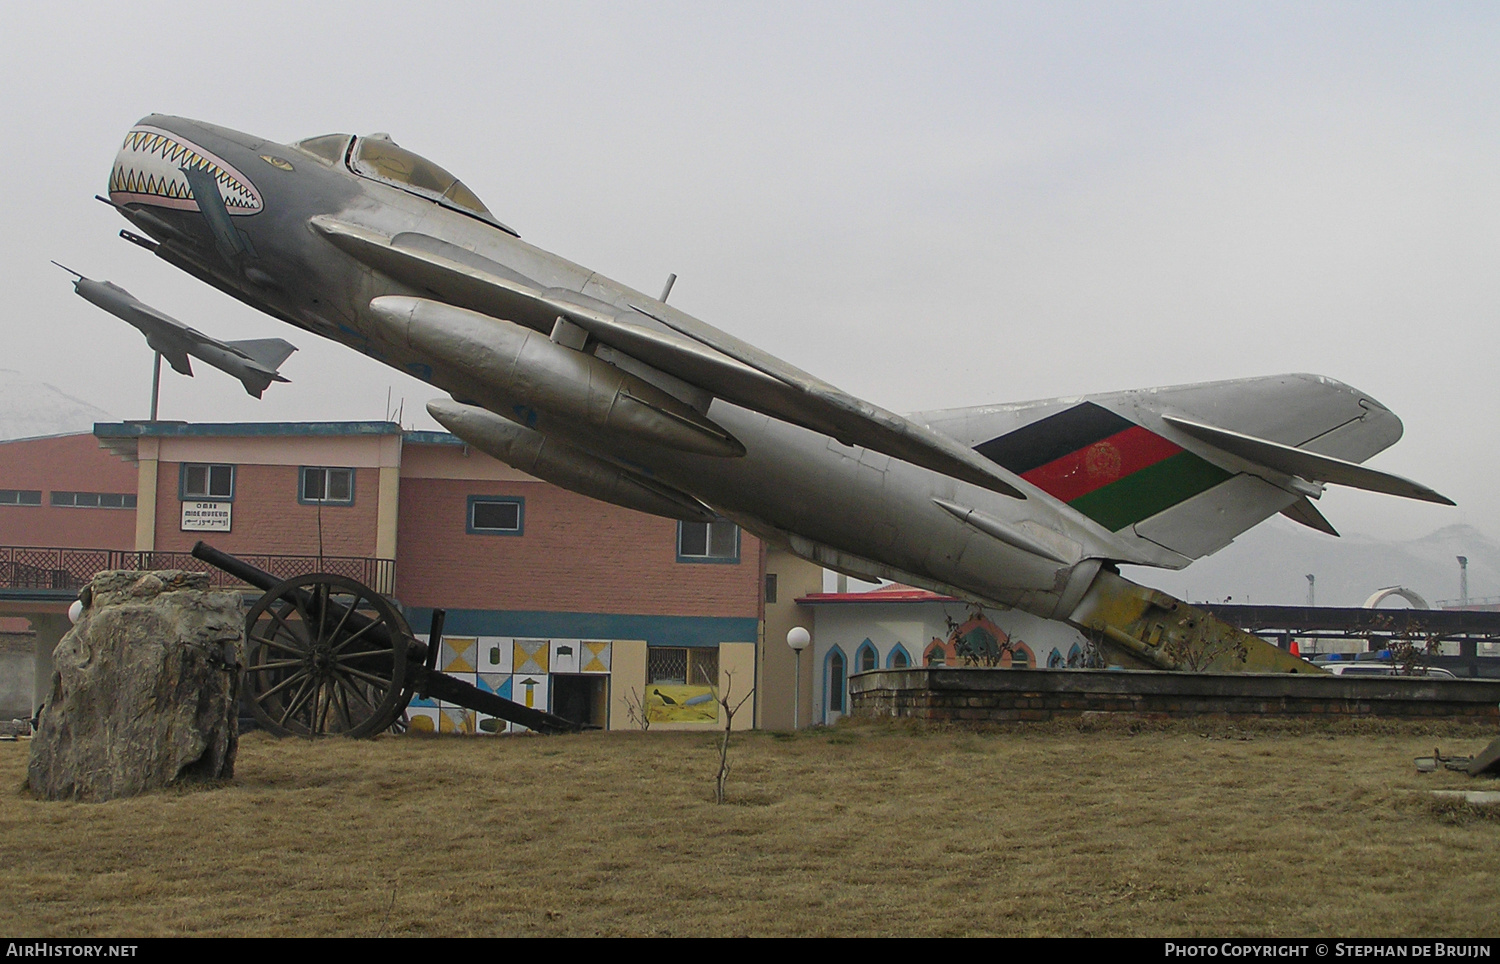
{"points": [[145, 689]]}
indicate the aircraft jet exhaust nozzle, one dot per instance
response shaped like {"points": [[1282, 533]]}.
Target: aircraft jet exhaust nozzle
{"points": [[533, 376], [562, 464]]}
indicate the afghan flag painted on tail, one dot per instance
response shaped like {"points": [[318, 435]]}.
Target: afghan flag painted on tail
{"points": [[1103, 465]]}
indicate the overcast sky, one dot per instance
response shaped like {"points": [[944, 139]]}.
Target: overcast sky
{"points": [[929, 205]]}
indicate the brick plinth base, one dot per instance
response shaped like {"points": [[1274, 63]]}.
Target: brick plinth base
{"points": [[998, 695]]}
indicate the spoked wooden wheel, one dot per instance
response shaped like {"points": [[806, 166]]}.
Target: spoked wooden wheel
{"points": [[325, 655]]}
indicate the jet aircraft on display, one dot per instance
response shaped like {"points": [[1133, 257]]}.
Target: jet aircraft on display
{"points": [[607, 391], [254, 361]]}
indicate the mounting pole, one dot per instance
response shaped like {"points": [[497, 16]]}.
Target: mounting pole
{"points": [[155, 384], [667, 288]]}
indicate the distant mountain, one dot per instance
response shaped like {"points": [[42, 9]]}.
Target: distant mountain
{"points": [[1269, 565], [29, 408]]}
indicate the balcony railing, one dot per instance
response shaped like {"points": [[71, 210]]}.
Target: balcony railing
{"points": [[29, 567]]}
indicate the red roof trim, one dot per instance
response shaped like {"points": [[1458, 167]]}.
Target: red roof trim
{"points": [[890, 594]]}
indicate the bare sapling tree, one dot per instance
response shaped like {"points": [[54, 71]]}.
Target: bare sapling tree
{"points": [[635, 709], [730, 708]]}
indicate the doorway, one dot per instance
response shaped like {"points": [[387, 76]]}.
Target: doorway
{"points": [[581, 698]]}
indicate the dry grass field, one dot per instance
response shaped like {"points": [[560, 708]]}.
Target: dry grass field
{"points": [[867, 829]]}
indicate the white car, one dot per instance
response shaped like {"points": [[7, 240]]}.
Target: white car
{"points": [[1384, 669]]}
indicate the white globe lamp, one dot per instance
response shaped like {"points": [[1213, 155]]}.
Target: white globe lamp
{"points": [[797, 638]]}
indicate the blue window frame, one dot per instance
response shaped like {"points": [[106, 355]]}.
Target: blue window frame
{"points": [[708, 542], [866, 658], [206, 483], [325, 486], [496, 515], [835, 682], [898, 658]]}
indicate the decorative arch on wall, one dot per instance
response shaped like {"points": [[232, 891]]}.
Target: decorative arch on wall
{"points": [[897, 658], [938, 653], [1055, 659], [1020, 656], [835, 682], [866, 657], [1075, 656], [1381, 595]]}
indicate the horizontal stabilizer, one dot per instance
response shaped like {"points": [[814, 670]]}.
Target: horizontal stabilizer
{"points": [[1305, 464], [267, 352], [257, 382]]}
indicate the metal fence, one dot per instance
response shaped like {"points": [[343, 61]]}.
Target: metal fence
{"points": [[30, 567]]}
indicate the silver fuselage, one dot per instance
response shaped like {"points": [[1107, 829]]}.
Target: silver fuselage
{"points": [[849, 508]]}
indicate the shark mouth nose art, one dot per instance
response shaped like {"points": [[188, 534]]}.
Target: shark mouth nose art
{"points": [[148, 170]]}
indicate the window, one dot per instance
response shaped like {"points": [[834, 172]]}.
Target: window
{"points": [[326, 486], [21, 497], [899, 658], [208, 482], [495, 515], [708, 542], [682, 665], [95, 500], [770, 588], [380, 159], [866, 658], [835, 676], [329, 147]]}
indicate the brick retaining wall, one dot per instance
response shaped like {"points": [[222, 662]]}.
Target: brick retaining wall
{"points": [[998, 695]]}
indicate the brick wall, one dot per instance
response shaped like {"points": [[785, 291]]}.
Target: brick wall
{"points": [[991, 696], [575, 555], [65, 463], [267, 518]]}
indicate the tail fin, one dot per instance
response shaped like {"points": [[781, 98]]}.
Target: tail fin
{"points": [[1189, 468]]}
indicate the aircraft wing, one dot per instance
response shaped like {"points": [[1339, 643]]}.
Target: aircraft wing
{"points": [[268, 353], [173, 351], [674, 343]]}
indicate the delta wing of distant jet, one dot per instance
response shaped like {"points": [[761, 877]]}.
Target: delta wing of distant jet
{"points": [[607, 391], [254, 361]]}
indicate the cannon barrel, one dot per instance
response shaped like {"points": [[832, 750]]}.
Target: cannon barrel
{"points": [[240, 569]]}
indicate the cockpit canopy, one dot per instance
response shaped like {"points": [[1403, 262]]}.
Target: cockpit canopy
{"points": [[379, 158]]}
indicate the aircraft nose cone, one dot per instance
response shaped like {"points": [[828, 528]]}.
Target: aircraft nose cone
{"points": [[149, 170]]}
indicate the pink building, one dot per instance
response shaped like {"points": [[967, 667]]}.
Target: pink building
{"points": [[585, 606]]}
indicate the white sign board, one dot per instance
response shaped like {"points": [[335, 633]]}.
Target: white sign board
{"points": [[205, 516]]}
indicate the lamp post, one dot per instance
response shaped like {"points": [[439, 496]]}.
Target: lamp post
{"points": [[797, 638]]}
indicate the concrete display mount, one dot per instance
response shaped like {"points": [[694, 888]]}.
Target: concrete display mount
{"points": [[1000, 695]]}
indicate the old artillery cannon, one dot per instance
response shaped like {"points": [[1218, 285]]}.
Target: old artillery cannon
{"points": [[327, 655]]}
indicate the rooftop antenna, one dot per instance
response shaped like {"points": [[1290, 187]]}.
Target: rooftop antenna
{"points": [[1463, 582], [667, 288], [1310, 580]]}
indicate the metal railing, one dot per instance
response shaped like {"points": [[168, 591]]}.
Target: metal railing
{"points": [[46, 567], [1471, 601]]}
